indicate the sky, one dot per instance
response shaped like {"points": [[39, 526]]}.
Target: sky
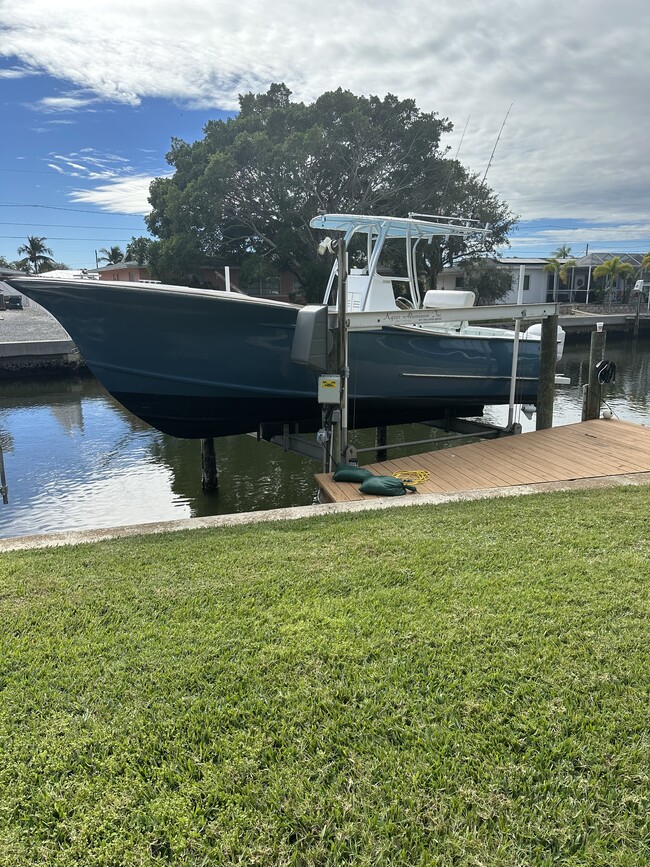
{"points": [[551, 98]]}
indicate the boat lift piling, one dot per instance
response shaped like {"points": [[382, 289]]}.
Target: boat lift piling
{"points": [[209, 474], [4, 490], [547, 363], [381, 440]]}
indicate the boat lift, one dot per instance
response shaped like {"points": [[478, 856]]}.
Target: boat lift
{"points": [[311, 347]]}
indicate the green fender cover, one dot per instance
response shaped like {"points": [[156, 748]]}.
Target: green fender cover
{"points": [[345, 473], [385, 486]]}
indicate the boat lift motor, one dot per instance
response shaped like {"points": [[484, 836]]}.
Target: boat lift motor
{"points": [[312, 340]]}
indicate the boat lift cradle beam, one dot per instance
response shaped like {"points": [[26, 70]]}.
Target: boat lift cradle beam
{"points": [[371, 320]]}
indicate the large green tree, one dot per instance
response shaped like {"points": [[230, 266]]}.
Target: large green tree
{"points": [[484, 277], [139, 250], [252, 184], [37, 257]]}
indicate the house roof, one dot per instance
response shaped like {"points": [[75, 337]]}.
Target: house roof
{"points": [[517, 260], [594, 259], [10, 272], [121, 265]]}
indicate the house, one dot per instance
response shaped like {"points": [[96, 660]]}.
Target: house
{"points": [[536, 279], [129, 272], [539, 284], [581, 283]]}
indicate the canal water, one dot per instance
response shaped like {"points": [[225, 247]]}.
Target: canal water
{"points": [[75, 459]]}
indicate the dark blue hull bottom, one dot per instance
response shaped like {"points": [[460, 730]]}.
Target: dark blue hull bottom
{"points": [[192, 417]]}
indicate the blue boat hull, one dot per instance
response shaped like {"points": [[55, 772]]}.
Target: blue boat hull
{"points": [[197, 363]]}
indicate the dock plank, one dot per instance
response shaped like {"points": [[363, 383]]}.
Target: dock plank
{"points": [[591, 449]]}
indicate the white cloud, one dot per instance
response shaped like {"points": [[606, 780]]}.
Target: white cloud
{"points": [[119, 196], [91, 164], [17, 72], [53, 104], [575, 142]]}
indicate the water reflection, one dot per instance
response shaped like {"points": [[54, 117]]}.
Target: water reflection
{"points": [[75, 459], [628, 397]]}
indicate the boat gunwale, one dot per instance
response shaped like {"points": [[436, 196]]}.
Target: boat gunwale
{"points": [[44, 283]]}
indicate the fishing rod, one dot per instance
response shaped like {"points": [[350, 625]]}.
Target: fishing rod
{"points": [[496, 144], [451, 166]]}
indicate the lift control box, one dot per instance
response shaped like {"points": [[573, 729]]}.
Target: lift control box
{"points": [[329, 389]]}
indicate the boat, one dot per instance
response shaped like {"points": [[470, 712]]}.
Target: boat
{"points": [[199, 363]]}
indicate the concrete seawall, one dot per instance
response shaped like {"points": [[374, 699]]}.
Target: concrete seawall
{"points": [[33, 343]]}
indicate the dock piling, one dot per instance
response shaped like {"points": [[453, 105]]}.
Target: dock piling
{"points": [[209, 475], [381, 439], [548, 359], [591, 404]]}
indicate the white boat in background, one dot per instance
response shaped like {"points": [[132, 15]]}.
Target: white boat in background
{"points": [[203, 363]]}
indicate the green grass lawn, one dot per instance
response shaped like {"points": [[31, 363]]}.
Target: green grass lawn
{"points": [[465, 684]]}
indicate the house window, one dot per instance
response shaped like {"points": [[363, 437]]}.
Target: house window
{"points": [[460, 281], [526, 282], [268, 286]]}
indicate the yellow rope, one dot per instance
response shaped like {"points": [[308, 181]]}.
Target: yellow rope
{"points": [[415, 477]]}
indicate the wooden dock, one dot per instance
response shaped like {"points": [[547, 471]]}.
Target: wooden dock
{"points": [[587, 450]]}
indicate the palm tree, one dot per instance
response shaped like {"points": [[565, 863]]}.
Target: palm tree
{"points": [[38, 257], [560, 269], [611, 270], [113, 256], [562, 252]]}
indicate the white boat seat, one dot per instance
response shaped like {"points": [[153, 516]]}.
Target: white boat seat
{"points": [[449, 298]]}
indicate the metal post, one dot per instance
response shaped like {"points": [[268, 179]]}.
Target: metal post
{"points": [[547, 362], [342, 354], [591, 407], [515, 349]]}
